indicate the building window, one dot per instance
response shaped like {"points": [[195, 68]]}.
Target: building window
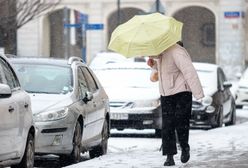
{"points": [[208, 34]]}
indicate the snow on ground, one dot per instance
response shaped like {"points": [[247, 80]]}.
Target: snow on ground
{"points": [[225, 147]]}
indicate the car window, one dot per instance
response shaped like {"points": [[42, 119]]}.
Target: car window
{"points": [[91, 83], [82, 83], [208, 78], [7, 75], [221, 78], [33, 77]]}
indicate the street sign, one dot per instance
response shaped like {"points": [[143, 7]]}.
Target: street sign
{"points": [[233, 14], [87, 26], [94, 26], [72, 25]]}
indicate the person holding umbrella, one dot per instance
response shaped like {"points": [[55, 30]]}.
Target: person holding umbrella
{"points": [[177, 80], [156, 36]]}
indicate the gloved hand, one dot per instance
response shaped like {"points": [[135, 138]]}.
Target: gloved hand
{"points": [[150, 62]]}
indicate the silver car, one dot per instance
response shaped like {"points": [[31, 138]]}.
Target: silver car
{"points": [[134, 99], [17, 130], [242, 91], [70, 107]]}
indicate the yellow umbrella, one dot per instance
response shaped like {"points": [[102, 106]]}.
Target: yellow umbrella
{"points": [[145, 35]]}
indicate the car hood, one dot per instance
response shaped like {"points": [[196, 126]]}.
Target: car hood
{"points": [[208, 91], [132, 94], [45, 102], [243, 82]]}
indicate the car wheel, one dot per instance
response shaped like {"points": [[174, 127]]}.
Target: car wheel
{"points": [[75, 155], [220, 118], [218, 122], [102, 148], [28, 157], [233, 117]]}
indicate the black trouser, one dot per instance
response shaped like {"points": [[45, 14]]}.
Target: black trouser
{"points": [[176, 111]]}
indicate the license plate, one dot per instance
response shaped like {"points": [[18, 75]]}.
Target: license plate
{"points": [[118, 116]]}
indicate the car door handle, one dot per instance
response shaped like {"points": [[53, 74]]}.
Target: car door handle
{"points": [[11, 109], [26, 105]]}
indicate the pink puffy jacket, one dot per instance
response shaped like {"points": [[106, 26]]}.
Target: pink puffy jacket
{"points": [[177, 73]]}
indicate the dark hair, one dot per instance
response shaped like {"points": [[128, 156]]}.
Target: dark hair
{"points": [[180, 43]]}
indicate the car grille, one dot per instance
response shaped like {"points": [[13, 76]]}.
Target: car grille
{"points": [[121, 104]]}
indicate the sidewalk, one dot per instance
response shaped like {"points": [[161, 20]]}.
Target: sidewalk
{"points": [[221, 159]]}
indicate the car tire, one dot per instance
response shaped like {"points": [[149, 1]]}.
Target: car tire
{"points": [[102, 148], [220, 118], [233, 117], [28, 157], [75, 155]]}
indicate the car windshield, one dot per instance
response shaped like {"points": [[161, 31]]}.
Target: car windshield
{"points": [[126, 77], [50, 79], [207, 78]]}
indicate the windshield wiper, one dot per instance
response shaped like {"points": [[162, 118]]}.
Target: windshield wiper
{"points": [[29, 91]]}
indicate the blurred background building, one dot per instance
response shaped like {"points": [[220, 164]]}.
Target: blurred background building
{"points": [[214, 31]]}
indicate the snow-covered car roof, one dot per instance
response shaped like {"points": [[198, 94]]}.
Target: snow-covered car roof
{"points": [[105, 58], [126, 65], [205, 66]]}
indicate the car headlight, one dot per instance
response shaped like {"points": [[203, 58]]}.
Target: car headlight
{"points": [[51, 115], [210, 109], [207, 101]]}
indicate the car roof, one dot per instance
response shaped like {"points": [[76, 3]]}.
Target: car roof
{"points": [[205, 66], [125, 65], [39, 60]]}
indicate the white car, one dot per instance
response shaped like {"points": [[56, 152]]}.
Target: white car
{"points": [[242, 91], [17, 130], [134, 99], [106, 58], [70, 107]]}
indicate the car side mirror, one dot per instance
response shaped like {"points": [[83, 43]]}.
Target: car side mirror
{"points": [[5, 91], [88, 97], [227, 84]]}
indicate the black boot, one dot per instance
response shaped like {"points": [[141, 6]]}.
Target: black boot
{"points": [[185, 155], [169, 161]]}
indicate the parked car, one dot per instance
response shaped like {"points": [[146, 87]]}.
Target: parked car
{"points": [[242, 91], [134, 99], [17, 132], [218, 105], [70, 107], [105, 58]]}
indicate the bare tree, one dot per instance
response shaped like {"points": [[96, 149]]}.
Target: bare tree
{"points": [[22, 11], [29, 9], [15, 13]]}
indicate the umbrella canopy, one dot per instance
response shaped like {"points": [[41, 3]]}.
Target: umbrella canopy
{"points": [[146, 35]]}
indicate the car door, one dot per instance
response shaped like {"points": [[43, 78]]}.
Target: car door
{"points": [[95, 108], [225, 92], [12, 116]]}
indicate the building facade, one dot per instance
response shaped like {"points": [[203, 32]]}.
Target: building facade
{"points": [[214, 31]]}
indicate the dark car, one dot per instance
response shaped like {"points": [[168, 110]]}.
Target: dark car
{"points": [[70, 107], [218, 105]]}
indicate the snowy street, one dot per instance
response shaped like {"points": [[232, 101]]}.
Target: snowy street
{"points": [[225, 147]]}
